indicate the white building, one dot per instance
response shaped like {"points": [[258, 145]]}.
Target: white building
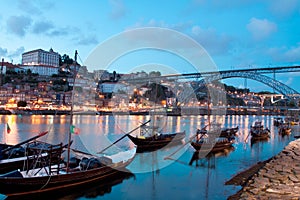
{"points": [[42, 70], [41, 57], [7, 66]]}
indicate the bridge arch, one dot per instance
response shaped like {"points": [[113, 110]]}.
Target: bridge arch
{"points": [[278, 86]]}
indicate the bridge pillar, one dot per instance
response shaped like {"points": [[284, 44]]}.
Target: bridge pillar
{"points": [[274, 77], [245, 84]]}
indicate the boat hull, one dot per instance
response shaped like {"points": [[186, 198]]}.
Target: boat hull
{"points": [[39, 182], [16, 187], [229, 132], [212, 147], [258, 132], [153, 143], [284, 130], [260, 135]]}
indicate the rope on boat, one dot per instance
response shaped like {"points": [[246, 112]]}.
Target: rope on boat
{"points": [[47, 182]]}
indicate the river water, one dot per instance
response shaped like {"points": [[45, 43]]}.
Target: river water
{"points": [[152, 175]]}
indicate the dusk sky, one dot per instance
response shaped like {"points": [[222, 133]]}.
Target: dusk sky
{"points": [[235, 33]]}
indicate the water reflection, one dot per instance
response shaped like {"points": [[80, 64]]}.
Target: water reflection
{"points": [[88, 191], [209, 160], [167, 175], [257, 143]]}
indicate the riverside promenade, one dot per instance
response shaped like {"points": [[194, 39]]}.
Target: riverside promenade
{"points": [[279, 178]]}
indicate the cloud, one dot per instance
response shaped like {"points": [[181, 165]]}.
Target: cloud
{"points": [[11, 55], [261, 28], [61, 31], [29, 7], [3, 52], [212, 41], [87, 40], [18, 24], [48, 28], [284, 7], [215, 43], [118, 9], [285, 54], [42, 27], [35, 7], [221, 5], [293, 54], [181, 26], [218, 6], [58, 32], [16, 53]]}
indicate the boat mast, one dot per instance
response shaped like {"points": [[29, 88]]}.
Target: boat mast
{"points": [[71, 111], [208, 108]]}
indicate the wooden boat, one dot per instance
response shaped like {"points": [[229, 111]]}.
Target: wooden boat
{"points": [[157, 141], [293, 121], [20, 156], [258, 131], [296, 136], [229, 132], [284, 129], [224, 132], [278, 121], [218, 144], [211, 142], [54, 176]]}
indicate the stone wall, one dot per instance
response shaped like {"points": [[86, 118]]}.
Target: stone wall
{"points": [[279, 178]]}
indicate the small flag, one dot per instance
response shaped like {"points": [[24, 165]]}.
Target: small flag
{"points": [[74, 130], [77, 131], [7, 129]]}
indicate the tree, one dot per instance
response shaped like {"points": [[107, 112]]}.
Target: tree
{"points": [[292, 104], [65, 59], [22, 104], [154, 74], [156, 92], [28, 72]]}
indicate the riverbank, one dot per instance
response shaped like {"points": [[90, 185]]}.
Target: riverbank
{"points": [[276, 178], [183, 112]]}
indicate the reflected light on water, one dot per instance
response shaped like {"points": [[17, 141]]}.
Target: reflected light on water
{"points": [[177, 125], [204, 181], [13, 136]]}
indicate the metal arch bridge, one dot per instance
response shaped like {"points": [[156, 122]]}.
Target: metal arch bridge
{"points": [[277, 85], [254, 74]]}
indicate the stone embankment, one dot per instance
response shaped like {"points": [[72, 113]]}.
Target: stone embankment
{"points": [[277, 179]]}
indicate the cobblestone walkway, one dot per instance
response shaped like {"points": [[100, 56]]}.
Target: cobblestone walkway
{"points": [[279, 178]]}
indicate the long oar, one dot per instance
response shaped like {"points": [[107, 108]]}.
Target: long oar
{"points": [[124, 136], [24, 142], [247, 136]]}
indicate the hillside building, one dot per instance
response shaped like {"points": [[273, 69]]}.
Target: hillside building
{"points": [[41, 57]]}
